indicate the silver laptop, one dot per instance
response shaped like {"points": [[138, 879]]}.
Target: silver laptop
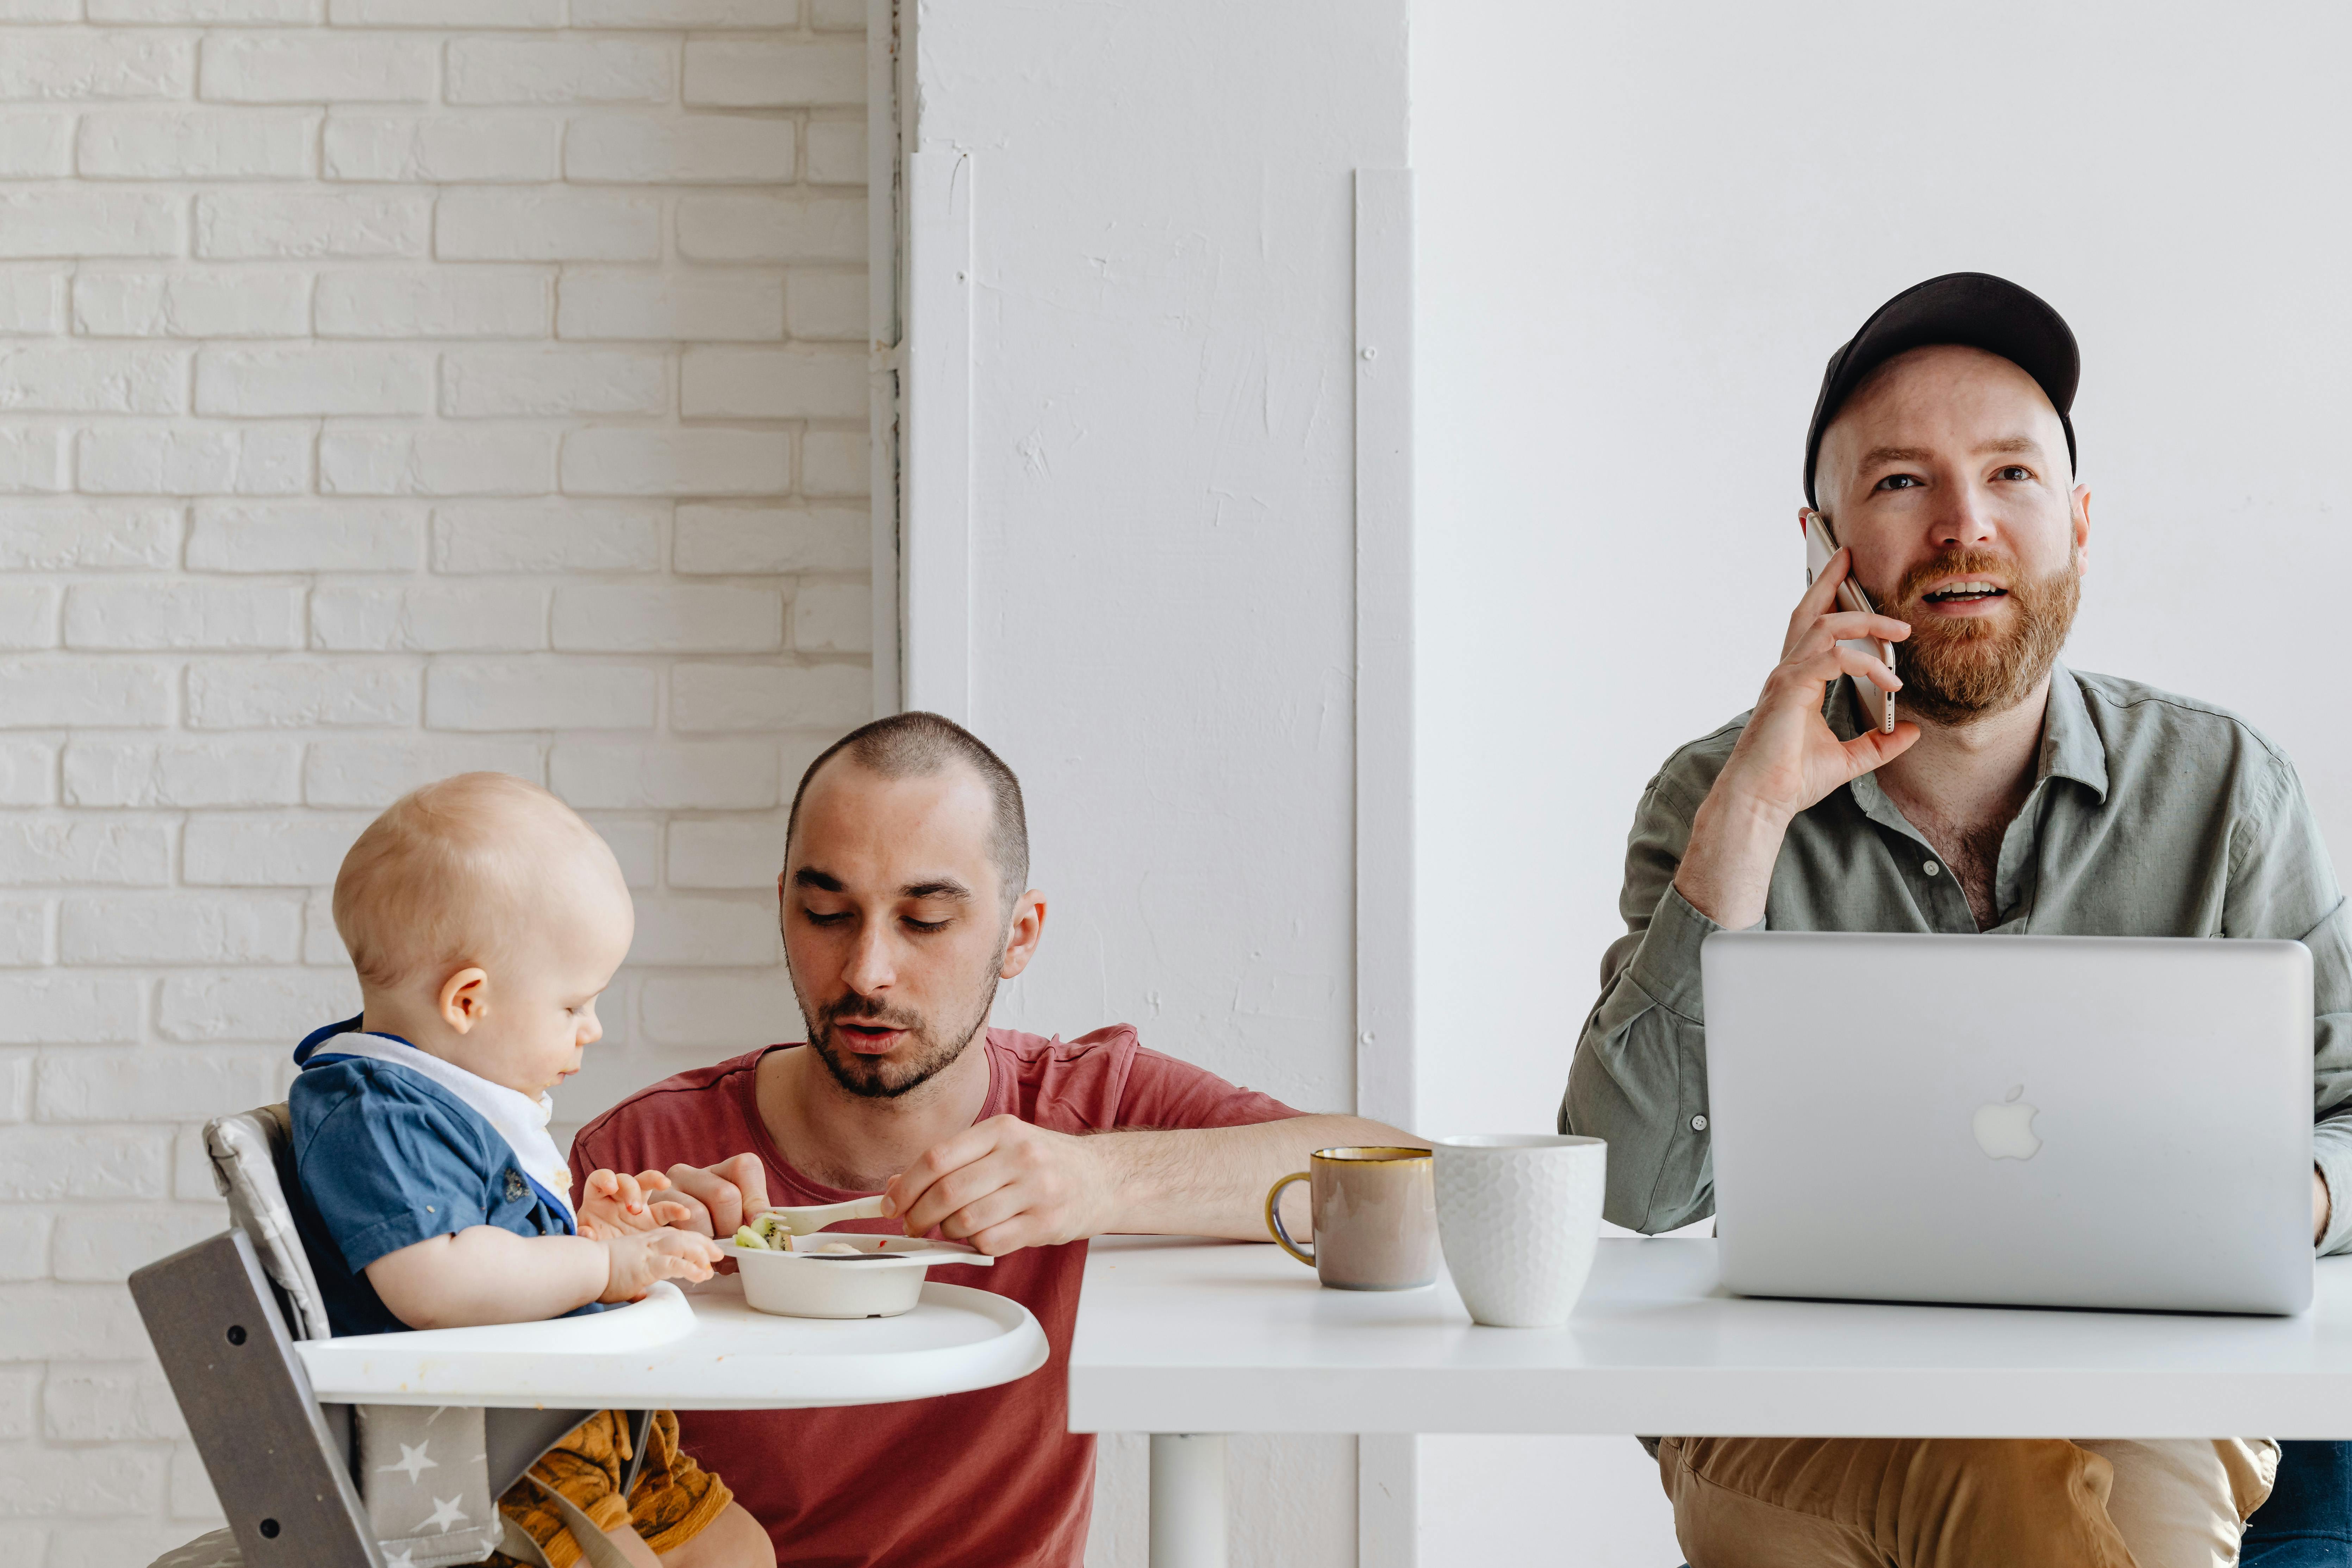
{"points": [[2036, 1120]]}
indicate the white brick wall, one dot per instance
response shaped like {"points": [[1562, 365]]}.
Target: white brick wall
{"points": [[387, 388]]}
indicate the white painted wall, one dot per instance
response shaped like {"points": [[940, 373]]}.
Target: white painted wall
{"points": [[1163, 527], [1642, 231], [387, 387]]}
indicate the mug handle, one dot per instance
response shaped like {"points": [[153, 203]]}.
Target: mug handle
{"points": [[1274, 1218]]}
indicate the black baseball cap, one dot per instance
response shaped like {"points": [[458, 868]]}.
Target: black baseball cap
{"points": [[1972, 308]]}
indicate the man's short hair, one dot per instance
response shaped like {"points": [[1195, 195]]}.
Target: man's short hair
{"points": [[920, 745]]}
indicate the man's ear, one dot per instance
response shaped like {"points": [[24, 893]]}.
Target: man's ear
{"points": [[2081, 522], [1028, 927], [464, 1001]]}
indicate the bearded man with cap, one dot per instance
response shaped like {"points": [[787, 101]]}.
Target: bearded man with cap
{"points": [[2015, 795]]}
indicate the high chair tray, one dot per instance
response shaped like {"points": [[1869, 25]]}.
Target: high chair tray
{"points": [[700, 1348]]}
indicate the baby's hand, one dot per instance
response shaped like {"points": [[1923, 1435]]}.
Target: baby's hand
{"points": [[641, 1256], [615, 1204]]}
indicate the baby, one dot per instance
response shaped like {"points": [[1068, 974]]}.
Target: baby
{"points": [[484, 919]]}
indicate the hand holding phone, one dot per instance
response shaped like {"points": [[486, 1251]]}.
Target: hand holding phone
{"points": [[1788, 756], [1821, 543]]}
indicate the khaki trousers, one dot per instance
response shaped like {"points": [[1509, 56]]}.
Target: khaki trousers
{"points": [[1921, 1502]]}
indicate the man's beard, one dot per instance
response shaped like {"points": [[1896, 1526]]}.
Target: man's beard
{"points": [[1958, 671], [869, 1077]]}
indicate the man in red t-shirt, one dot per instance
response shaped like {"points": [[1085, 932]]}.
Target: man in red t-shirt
{"points": [[903, 905]]}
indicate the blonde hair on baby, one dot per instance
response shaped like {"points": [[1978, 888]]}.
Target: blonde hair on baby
{"points": [[451, 869]]}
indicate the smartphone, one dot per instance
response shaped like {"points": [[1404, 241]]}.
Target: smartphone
{"points": [[1821, 543]]}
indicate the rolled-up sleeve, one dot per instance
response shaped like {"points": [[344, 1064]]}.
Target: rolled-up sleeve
{"points": [[2282, 885], [1639, 1076], [2331, 1064]]}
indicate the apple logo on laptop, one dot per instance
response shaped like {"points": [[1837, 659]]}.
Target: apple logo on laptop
{"points": [[2005, 1131]]}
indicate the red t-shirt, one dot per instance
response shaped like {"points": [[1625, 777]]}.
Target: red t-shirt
{"points": [[980, 1480]]}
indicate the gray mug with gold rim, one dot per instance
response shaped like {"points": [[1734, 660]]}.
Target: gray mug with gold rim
{"points": [[1375, 1213]]}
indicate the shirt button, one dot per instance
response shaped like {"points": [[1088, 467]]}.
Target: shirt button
{"points": [[1931, 868], [1699, 1122]]}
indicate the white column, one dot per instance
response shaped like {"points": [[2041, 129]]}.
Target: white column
{"points": [[1386, 1465], [883, 253], [936, 448], [1384, 761]]}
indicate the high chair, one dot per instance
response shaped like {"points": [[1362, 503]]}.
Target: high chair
{"points": [[225, 1315]]}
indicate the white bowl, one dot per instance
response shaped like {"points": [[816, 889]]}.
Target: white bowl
{"points": [[883, 1278]]}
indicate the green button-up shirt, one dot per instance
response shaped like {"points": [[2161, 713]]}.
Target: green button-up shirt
{"points": [[2151, 814]]}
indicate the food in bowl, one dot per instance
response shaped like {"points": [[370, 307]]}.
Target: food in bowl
{"points": [[766, 1233]]}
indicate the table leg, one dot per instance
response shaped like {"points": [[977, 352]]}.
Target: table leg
{"points": [[1188, 1500]]}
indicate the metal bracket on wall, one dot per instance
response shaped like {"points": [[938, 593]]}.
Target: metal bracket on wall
{"points": [[1387, 1515], [935, 434]]}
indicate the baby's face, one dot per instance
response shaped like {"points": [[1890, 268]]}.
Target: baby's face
{"points": [[542, 1004]]}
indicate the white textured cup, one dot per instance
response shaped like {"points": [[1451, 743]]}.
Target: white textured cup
{"points": [[1518, 1214]]}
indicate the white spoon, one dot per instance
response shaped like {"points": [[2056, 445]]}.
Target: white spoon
{"points": [[815, 1217]]}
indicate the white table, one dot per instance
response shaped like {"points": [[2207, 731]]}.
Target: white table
{"points": [[700, 1348], [1177, 1335]]}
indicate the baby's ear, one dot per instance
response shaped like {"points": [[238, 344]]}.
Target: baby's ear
{"points": [[465, 998]]}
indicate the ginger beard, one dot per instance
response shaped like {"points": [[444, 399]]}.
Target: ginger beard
{"points": [[926, 1053], [1955, 670]]}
